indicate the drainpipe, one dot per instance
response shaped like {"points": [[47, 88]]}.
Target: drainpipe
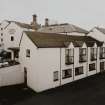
{"points": [[87, 61], [73, 66], [60, 68], [96, 60]]}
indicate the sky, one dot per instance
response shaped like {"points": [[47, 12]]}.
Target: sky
{"points": [[83, 13]]}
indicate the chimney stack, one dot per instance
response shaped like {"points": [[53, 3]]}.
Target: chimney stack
{"points": [[46, 22], [34, 19]]}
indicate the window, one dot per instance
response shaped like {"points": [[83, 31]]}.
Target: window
{"points": [[1, 39], [93, 54], [78, 70], [1, 34], [82, 55], [55, 76], [66, 73], [69, 56], [102, 66], [1, 28], [102, 53], [12, 38], [27, 53], [92, 67], [16, 54]]}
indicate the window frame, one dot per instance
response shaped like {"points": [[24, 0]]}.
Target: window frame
{"points": [[93, 54], [69, 58], [1, 39], [12, 38], [79, 72], [102, 66], [55, 76], [102, 52], [64, 76], [92, 67], [82, 56], [27, 52], [1, 34]]}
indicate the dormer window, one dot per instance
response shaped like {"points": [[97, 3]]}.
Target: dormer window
{"points": [[69, 56], [102, 53], [93, 54], [82, 55]]}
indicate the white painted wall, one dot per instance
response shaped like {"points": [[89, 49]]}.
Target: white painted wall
{"points": [[17, 35], [40, 66], [11, 75], [3, 25]]}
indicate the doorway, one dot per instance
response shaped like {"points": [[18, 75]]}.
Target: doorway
{"points": [[25, 76]]}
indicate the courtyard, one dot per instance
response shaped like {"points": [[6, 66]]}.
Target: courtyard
{"points": [[87, 91]]}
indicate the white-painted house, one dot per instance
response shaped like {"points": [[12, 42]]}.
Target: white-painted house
{"points": [[51, 60], [11, 31]]}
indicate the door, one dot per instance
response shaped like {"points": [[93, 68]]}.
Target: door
{"points": [[25, 76]]}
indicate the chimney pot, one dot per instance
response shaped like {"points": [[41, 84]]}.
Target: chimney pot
{"points": [[46, 22], [34, 19]]}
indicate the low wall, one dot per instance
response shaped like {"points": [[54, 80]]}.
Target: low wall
{"points": [[11, 75]]}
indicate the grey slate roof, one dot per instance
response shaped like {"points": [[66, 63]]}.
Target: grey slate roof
{"points": [[25, 25], [51, 40], [101, 29], [62, 28]]}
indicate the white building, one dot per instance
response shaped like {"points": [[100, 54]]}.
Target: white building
{"points": [[97, 33], [3, 25], [11, 33], [65, 28], [51, 60]]}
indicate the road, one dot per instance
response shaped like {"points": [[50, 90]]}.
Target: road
{"points": [[88, 91]]}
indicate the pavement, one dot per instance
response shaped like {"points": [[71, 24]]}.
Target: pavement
{"points": [[87, 91]]}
